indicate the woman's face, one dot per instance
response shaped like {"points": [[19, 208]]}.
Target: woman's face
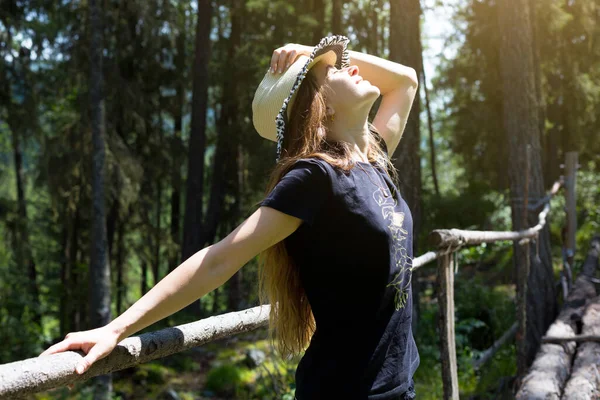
{"points": [[347, 88]]}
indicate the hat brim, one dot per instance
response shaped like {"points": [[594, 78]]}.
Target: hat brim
{"points": [[332, 49]]}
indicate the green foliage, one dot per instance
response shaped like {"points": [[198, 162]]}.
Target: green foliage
{"points": [[588, 206], [224, 380], [150, 373], [588, 215], [491, 305], [230, 376], [20, 335], [483, 313], [466, 210], [503, 365]]}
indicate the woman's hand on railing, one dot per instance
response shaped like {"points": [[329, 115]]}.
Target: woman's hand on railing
{"points": [[95, 343]]}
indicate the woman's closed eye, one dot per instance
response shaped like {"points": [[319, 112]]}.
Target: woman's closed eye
{"points": [[331, 69]]}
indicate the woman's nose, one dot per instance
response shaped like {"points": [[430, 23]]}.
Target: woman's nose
{"points": [[353, 70]]}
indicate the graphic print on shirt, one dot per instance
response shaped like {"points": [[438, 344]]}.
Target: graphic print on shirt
{"points": [[402, 261]]}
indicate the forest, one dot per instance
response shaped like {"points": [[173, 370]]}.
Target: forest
{"points": [[127, 145]]}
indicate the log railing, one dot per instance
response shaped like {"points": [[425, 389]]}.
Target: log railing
{"points": [[20, 378], [450, 240], [565, 364]]}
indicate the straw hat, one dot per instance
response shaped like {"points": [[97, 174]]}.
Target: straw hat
{"points": [[276, 93]]}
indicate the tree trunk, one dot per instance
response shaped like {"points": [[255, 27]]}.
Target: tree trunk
{"points": [[217, 186], [318, 11], [552, 164], [62, 316], [75, 309], [176, 149], [430, 130], [158, 206], [336, 17], [156, 239], [405, 47], [194, 195], [24, 255], [236, 294], [570, 109], [175, 202], [227, 129], [195, 177], [144, 278], [521, 124], [119, 266], [66, 269], [99, 277], [111, 221], [145, 210], [374, 10], [538, 85]]}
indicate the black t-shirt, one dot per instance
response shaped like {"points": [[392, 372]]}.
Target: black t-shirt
{"points": [[354, 255]]}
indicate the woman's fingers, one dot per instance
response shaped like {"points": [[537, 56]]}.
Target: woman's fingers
{"points": [[58, 347], [66, 344], [275, 59], [95, 344], [92, 356], [290, 59], [95, 352], [283, 57]]}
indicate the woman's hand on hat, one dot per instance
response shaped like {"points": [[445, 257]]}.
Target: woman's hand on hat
{"points": [[285, 56]]}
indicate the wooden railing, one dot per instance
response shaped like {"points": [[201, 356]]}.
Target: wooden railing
{"points": [[449, 241], [42, 373], [565, 366]]}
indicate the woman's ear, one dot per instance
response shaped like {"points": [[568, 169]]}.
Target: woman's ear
{"points": [[329, 112], [322, 132]]}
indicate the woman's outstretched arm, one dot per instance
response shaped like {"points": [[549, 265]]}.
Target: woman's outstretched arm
{"points": [[203, 272], [207, 269]]}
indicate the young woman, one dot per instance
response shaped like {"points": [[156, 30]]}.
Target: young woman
{"points": [[333, 234]]}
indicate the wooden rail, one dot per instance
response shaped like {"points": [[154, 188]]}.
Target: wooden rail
{"points": [[42, 373], [450, 240], [553, 364], [455, 238]]}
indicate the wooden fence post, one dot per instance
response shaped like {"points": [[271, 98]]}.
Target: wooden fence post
{"points": [[570, 186], [446, 323], [522, 277]]}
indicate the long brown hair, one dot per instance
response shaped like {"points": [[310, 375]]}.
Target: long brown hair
{"points": [[291, 321]]}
